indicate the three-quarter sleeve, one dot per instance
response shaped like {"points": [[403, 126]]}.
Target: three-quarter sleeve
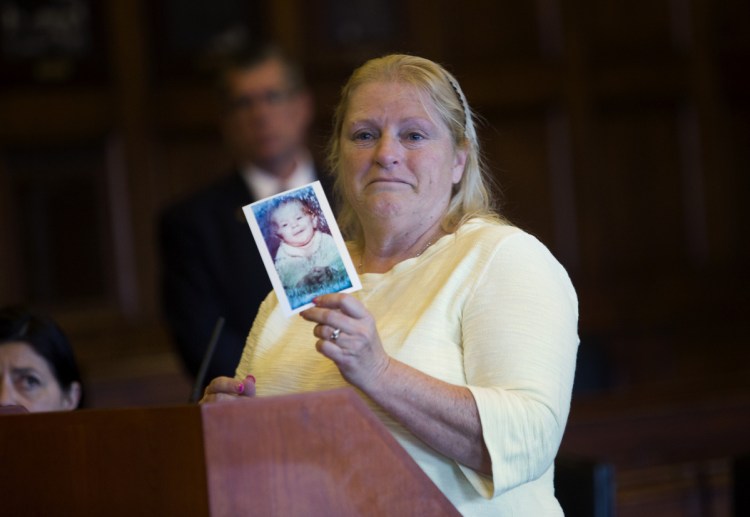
{"points": [[520, 339]]}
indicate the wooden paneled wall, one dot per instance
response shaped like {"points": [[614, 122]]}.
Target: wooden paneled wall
{"points": [[619, 132]]}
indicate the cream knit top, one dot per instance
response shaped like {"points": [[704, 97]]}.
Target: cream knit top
{"points": [[487, 307]]}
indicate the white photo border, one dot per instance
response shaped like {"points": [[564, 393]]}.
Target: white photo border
{"points": [[250, 211]]}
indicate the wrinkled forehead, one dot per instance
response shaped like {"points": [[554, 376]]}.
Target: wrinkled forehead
{"points": [[266, 75], [19, 354], [372, 96]]}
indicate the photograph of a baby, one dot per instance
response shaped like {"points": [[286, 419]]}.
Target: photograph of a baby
{"points": [[306, 257]]}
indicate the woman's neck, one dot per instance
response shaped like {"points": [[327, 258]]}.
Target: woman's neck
{"points": [[386, 247]]}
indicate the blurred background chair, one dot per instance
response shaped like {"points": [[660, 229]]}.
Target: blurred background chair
{"points": [[741, 485], [584, 487]]}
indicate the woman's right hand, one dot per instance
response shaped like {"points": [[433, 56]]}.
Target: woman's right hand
{"points": [[227, 388]]}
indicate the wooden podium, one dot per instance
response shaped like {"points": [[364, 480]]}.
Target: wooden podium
{"points": [[312, 454]]}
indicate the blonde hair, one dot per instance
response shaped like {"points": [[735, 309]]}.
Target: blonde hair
{"points": [[471, 196]]}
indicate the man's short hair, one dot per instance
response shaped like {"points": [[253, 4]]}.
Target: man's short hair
{"points": [[249, 57]]}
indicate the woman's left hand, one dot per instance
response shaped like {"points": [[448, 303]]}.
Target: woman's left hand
{"points": [[347, 335]]}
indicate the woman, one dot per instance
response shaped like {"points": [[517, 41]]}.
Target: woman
{"points": [[38, 370], [463, 338]]}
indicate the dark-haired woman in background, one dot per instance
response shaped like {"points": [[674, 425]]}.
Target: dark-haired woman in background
{"points": [[38, 370]]}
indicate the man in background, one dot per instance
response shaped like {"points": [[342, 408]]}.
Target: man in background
{"points": [[210, 265]]}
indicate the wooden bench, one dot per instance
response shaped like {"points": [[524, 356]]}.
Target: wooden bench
{"points": [[671, 446]]}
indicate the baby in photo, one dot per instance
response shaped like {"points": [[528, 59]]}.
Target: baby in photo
{"points": [[301, 246], [306, 255]]}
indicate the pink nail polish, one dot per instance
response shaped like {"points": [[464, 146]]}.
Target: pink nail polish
{"points": [[240, 388], [250, 377]]}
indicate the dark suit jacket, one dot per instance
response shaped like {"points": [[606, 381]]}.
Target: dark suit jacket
{"points": [[211, 268]]}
